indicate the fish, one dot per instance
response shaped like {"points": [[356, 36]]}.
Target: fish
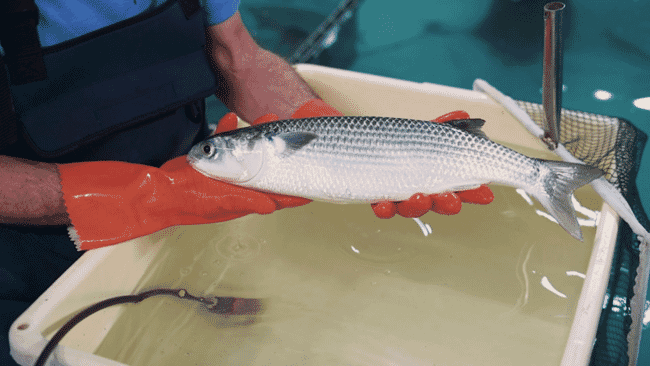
{"points": [[347, 159]]}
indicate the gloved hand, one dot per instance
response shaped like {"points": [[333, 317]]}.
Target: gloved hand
{"points": [[443, 203], [110, 202]]}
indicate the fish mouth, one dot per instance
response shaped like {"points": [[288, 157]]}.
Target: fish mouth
{"points": [[194, 163], [195, 166], [192, 160]]}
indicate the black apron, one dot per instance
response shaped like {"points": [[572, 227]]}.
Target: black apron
{"points": [[133, 91]]}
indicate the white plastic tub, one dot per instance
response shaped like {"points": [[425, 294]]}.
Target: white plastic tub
{"points": [[494, 285]]}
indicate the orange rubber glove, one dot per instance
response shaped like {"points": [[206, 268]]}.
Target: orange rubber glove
{"points": [[443, 203], [110, 202]]}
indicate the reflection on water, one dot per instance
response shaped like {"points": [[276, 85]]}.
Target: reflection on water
{"points": [[547, 285], [426, 228], [238, 247], [591, 216], [333, 284], [378, 247], [575, 273]]}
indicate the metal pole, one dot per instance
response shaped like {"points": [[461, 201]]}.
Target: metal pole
{"points": [[313, 45], [552, 80]]}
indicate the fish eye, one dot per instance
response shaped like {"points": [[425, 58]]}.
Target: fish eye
{"points": [[208, 150]]}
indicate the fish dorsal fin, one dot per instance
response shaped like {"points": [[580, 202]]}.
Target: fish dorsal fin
{"points": [[294, 141], [472, 126]]}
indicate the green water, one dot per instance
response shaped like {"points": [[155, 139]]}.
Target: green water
{"points": [[496, 284]]}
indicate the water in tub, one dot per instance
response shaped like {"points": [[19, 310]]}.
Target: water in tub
{"points": [[497, 284]]}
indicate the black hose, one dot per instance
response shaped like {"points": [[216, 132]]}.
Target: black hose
{"points": [[214, 304]]}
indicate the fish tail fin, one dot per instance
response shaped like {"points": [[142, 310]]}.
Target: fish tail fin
{"points": [[558, 186]]}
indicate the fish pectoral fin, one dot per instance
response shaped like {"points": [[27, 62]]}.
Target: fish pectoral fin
{"points": [[293, 141], [472, 126], [467, 187]]}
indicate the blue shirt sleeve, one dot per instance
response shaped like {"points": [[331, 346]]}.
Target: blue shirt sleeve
{"points": [[60, 21], [217, 11]]}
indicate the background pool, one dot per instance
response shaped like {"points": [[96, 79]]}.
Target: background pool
{"points": [[606, 53]]}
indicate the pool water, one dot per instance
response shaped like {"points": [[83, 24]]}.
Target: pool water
{"points": [[606, 53]]}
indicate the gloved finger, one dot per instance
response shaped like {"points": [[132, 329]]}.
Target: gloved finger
{"points": [[236, 200], [314, 108], [269, 117], [445, 203], [284, 201], [416, 206], [451, 116], [226, 123], [229, 121], [175, 164], [481, 195], [385, 209]]}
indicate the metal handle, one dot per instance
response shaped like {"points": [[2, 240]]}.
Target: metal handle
{"points": [[552, 79]]}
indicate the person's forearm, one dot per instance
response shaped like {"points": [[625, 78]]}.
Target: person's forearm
{"points": [[30, 193], [254, 81], [269, 86]]}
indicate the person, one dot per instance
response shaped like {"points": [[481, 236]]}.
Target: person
{"points": [[132, 179]]}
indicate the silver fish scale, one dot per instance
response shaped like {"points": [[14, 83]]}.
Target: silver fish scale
{"points": [[369, 159]]}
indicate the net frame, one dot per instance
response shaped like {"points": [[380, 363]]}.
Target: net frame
{"points": [[615, 146]]}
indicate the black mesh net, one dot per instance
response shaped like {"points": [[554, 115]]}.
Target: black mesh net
{"points": [[615, 146]]}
